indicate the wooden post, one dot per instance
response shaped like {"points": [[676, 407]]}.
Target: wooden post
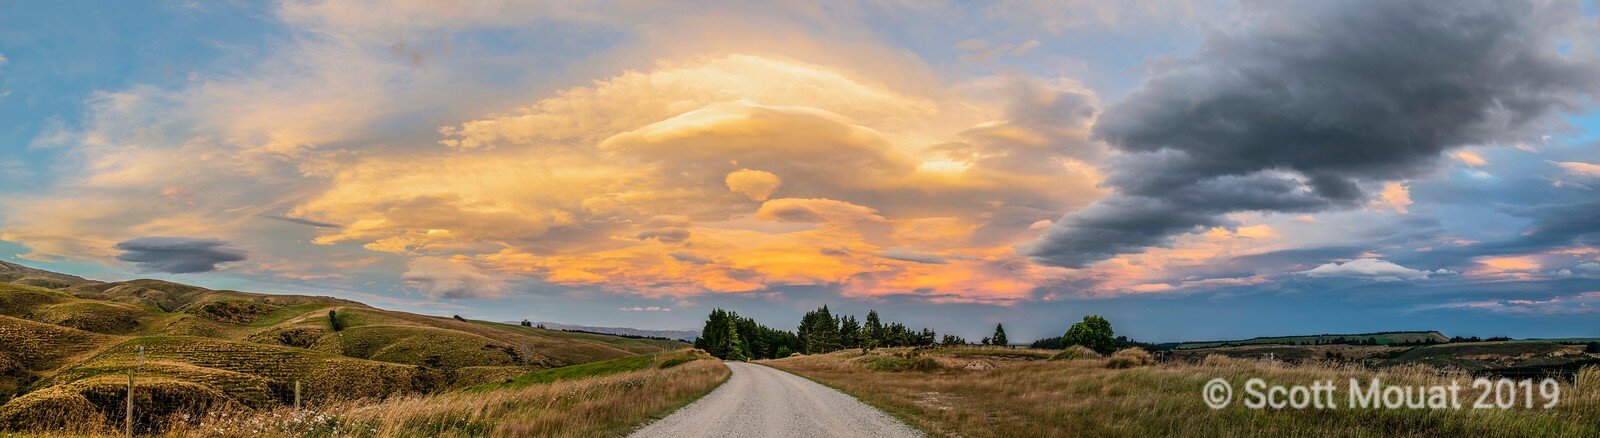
{"points": [[297, 394], [128, 419]]}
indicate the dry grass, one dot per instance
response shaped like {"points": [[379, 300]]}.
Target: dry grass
{"points": [[1085, 398], [1130, 358], [1075, 352], [608, 405], [600, 405]]}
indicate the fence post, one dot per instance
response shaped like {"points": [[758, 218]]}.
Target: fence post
{"points": [[297, 395], [128, 419]]}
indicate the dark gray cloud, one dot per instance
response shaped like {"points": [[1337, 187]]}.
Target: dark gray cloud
{"points": [[1312, 101], [178, 255]]}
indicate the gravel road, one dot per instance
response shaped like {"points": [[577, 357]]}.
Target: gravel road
{"points": [[759, 401]]}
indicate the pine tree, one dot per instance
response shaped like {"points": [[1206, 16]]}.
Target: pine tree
{"points": [[999, 337], [714, 336], [819, 331], [731, 343], [873, 330], [849, 332]]}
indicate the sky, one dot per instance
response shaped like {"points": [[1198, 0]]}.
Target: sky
{"points": [[1191, 170]]}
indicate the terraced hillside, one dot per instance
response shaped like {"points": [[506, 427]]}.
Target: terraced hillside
{"points": [[71, 342]]}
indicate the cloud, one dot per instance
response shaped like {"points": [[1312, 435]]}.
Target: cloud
{"points": [[295, 220], [754, 184], [646, 309], [452, 278], [1469, 158], [1580, 168], [1373, 269], [1288, 114], [178, 255], [816, 211], [1395, 196], [1585, 303], [912, 256]]}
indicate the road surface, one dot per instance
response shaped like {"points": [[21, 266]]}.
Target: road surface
{"points": [[759, 401]]}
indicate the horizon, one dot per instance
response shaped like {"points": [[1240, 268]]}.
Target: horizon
{"points": [[1218, 171]]}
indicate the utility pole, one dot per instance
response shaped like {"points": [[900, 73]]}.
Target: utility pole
{"points": [[128, 420]]}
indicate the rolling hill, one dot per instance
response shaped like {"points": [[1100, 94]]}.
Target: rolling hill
{"points": [[1379, 338], [71, 342]]}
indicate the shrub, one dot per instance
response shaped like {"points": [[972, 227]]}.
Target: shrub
{"points": [[333, 320], [1076, 352], [1130, 357], [902, 362]]}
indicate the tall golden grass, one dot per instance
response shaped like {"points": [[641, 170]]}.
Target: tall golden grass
{"points": [[1014, 397], [608, 405]]}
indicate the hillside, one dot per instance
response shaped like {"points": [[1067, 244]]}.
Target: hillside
{"points": [[1378, 338], [71, 341], [687, 335]]}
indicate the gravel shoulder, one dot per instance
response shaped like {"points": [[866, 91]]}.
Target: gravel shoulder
{"points": [[762, 401]]}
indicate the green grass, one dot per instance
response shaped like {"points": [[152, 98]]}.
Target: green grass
{"points": [[601, 368]]}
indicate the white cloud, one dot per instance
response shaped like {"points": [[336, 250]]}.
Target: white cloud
{"points": [[646, 309], [1374, 269], [441, 277]]}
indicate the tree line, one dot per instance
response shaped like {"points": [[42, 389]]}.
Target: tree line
{"points": [[729, 336]]}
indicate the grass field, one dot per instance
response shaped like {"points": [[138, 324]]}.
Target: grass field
{"points": [[587, 405], [966, 393], [69, 341]]}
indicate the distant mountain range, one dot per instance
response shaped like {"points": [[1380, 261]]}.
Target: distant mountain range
{"points": [[688, 335]]}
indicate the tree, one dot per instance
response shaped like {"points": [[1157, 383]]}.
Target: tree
{"points": [[527, 323], [950, 340], [872, 331], [1093, 333], [999, 337], [819, 331], [714, 337], [849, 332]]}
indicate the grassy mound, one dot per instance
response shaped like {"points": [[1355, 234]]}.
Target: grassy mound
{"points": [[1130, 358], [255, 374], [907, 361], [232, 311], [1076, 352], [93, 316], [426, 346], [98, 404]]}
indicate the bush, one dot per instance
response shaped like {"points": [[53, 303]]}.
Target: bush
{"points": [[1076, 352], [1130, 357], [333, 321], [901, 363]]}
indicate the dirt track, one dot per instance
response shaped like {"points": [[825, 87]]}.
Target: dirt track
{"points": [[765, 402]]}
